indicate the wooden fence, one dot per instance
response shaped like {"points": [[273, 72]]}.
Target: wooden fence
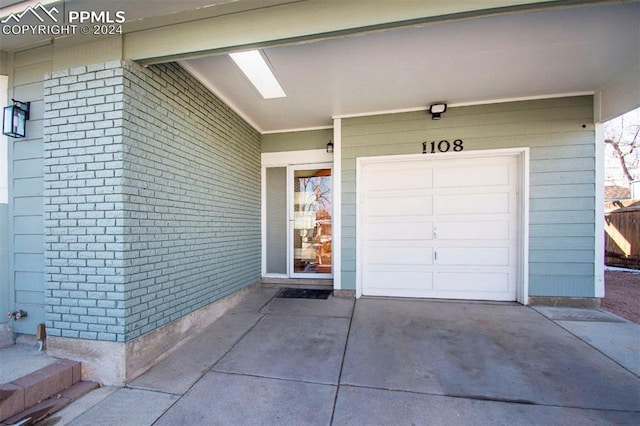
{"points": [[622, 234]]}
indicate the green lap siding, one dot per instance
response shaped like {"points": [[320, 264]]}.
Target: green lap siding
{"points": [[561, 137], [26, 170], [296, 141]]}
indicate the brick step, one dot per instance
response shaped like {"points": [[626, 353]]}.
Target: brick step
{"points": [[42, 392]]}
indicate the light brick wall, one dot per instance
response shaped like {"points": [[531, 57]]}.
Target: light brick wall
{"points": [[192, 191], [83, 202], [152, 199]]}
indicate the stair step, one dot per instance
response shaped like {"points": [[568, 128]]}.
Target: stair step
{"points": [[34, 388], [51, 405]]}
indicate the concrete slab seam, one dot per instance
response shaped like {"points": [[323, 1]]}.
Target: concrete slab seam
{"points": [[301, 315], [256, 376], [597, 349], [486, 399], [232, 346], [259, 310], [344, 356], [179, 397], [585, 342], [205, 371]]}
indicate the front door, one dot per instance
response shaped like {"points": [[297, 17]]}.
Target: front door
{"points": [[310, 220]]}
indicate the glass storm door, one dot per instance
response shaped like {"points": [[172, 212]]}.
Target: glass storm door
{"points": [[310, 220]]}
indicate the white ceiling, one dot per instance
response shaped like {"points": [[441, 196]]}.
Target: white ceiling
{"points": [[521, 55]]}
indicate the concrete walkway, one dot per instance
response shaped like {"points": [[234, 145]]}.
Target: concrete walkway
{"points": [[275, 361], [20, 359]]}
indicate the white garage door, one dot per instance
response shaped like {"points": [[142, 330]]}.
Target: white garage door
{"points": [[440, 228]]}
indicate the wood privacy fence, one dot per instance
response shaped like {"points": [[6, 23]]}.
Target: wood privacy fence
{"points": [[622, 234]]}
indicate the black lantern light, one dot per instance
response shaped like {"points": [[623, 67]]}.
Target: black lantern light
{"points": [[330, 147], [15, 119]]}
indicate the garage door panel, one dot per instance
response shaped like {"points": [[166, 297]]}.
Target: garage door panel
{"points": [[385, 179], [483, 176], [394, 231], [473, 256], [399, 206], [472, 282], [399, 256], [394, 282], [474, 230], [472, 204]]}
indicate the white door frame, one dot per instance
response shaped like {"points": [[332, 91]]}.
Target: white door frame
{"points": [[284, 159], [522, 154]]}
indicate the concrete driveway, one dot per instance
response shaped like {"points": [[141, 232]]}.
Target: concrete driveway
{"points": [[384, 361]]}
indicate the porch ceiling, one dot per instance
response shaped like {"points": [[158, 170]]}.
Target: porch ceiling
{"points": [[552, 52]]}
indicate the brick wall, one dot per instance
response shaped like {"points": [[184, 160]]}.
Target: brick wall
{"points": [[192, 191], [152, 199], [83, 202]]}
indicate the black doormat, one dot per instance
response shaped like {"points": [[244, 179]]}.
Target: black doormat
{"points": [[304, 293]]}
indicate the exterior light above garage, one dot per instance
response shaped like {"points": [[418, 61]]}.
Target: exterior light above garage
{"points": [[436, 110], [256, 69]]}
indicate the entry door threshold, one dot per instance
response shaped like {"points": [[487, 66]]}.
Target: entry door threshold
{"points": [[325, 284]]}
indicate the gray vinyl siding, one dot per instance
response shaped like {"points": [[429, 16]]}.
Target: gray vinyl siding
{"points": [[560, 135], [296, 141], [26, 170], [276, 204]]}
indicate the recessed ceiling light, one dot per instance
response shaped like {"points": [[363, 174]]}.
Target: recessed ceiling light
{"points": [[253, 65]]}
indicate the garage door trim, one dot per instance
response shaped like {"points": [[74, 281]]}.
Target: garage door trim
{"points": [[521, 154]]}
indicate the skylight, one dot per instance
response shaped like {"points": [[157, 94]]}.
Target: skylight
{"points": [[253, 65]]}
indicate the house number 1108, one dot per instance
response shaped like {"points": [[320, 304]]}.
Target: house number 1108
{"points": [[442, 146]]}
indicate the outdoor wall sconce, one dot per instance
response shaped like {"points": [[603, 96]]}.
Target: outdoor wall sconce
{"points": [[436, 109], [15, 119], [330, 147]]}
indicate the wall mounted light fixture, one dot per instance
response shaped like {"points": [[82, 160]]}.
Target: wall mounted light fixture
{"points": [[436, 110], [330, 147], [15, 118]]}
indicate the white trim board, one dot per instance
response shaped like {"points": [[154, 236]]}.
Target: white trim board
{"points": [[598, 262], [337, 204]]}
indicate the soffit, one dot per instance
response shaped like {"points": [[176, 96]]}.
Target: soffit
{"points": [[546, 53]]}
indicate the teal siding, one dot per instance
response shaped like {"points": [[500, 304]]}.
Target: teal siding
{"points": [[276, 212], [26, 184], [296, 141], [561, 138]]}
